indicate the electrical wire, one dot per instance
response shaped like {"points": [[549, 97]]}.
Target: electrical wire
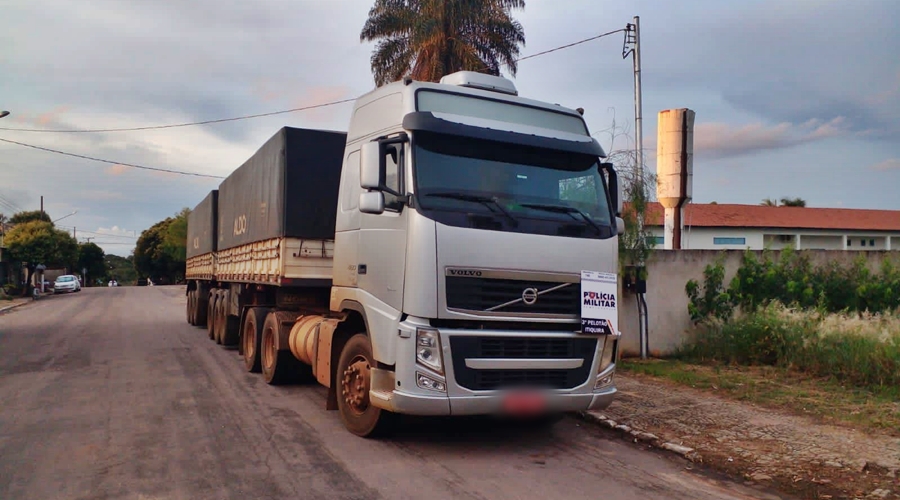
{"points": [[179, 172], [293, 110], [175, 125], [105, 235], [572, 44]]}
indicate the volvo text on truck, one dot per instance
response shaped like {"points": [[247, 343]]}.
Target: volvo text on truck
{"points": [[453, 253]]}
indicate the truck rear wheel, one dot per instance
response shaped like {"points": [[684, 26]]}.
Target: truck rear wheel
{"points": [[202, 308], [192, 307], [220, 317], [187, 308], [278, 367], [211, 319], [251, 336], [353, 379]]}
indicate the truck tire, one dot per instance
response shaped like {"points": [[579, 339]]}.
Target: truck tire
{"points": [[353, 381], [202, 306], [211, 320], [276, 365], [192, 316], [220, 317], [187, 308], [251, 336], [231, 333]]}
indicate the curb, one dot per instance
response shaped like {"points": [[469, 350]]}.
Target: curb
{"points": [[10, 308], [637, 435]]}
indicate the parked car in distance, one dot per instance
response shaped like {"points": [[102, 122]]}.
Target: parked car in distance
{"points": [[113, 283], [66, 283]]}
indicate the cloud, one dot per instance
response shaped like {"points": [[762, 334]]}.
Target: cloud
{"points": [[722, 140], [890, 164]]}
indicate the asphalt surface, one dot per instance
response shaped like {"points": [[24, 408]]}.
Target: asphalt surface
{"points": [[109, 394]]}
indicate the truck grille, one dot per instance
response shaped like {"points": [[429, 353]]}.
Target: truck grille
{"points": [[466, 347], [486, 294]]}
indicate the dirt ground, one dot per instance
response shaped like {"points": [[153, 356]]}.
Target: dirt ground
{"points": [[793, 453]]}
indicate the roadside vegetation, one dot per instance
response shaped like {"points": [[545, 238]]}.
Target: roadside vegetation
{"points": [[818, 339]]}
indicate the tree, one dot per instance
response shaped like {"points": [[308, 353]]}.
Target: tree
{"points": [[160, 250], [91, 257], [793, 202], [428, 39], [120, 269], [28, 216], [38, 242], [175, 240]]}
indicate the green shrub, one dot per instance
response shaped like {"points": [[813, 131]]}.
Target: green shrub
{"points": [[858, 350]]}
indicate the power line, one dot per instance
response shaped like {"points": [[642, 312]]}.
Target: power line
{"points": [[205, 122], [572, 44], [110, 161], [293, 110], [102, 234]]}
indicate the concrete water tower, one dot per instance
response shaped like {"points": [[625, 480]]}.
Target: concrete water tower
{"points": [[674, 169]]}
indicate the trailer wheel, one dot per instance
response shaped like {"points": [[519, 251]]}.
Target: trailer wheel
{"points": [[190, 311], [202, 307], [187, 308], [353, 379], [220, 317], [278, 367], [230, 329], [251, 336], [212, 317]]}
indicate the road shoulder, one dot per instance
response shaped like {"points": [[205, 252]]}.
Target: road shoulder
{"points": [[795, 454]]}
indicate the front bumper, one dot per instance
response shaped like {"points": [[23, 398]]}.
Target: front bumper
{"points": [[64, 288], [397, 390], [421, 404]]}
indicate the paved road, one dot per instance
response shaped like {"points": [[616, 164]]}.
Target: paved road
{"points": [[110, 394]]}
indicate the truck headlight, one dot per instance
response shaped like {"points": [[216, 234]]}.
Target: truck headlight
{"points": [[428, 349], [607, 358]]}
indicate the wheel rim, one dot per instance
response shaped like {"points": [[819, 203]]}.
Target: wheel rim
{"points": [[355, 384], [269, 352]]}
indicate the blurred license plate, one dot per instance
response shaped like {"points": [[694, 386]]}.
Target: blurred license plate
{"points": [[524, 404]]}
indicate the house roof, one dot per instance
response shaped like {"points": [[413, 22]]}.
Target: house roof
{"points": [[727, 215]]}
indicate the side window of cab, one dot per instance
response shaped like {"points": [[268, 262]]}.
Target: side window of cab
{"points": [[392, 177]]}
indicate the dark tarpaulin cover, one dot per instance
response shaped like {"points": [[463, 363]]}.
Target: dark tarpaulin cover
{"points": [[288, 188], [201, 230]]}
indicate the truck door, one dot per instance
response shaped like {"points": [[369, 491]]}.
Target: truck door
{"points": [[382, 239]]}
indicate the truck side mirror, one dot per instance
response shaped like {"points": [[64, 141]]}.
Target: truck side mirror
{"points": [[613, 183], [371, 166], [620, 226], [371, 202]]}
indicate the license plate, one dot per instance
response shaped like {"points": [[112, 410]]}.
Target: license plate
{"points": [[524, 404]]}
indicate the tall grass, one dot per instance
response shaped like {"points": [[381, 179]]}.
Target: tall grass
{"points": [[861, 349]]}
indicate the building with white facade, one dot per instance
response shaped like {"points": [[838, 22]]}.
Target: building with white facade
{"points": [[728, 227]]}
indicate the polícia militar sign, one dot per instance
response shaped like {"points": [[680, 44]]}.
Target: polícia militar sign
{"points": [[599, 304]]}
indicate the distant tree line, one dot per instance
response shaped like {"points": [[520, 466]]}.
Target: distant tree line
{"points": [[160, 250]]}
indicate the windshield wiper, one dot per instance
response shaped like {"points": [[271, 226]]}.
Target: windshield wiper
{"points": [[564, 209], [485, 200]]}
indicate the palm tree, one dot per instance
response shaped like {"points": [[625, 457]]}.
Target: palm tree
{"points": [[427, 39], [769, 203]]}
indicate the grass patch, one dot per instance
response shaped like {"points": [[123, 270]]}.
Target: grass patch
{"points": [[783, 389], [858, 349]]}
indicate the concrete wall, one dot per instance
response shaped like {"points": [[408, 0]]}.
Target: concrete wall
{"points": [[667, 302]]}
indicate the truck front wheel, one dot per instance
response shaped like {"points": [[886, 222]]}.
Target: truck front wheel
{"points": [[353, 379]]}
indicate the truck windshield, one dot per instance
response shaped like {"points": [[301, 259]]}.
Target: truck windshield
{"points": [[467, 175]]}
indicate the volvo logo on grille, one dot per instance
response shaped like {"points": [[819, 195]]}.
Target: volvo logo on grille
{"points": [[465, 272], [529, 296]]}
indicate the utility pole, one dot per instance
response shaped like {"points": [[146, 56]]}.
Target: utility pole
{"points": [[42, 206], [632, 46]]}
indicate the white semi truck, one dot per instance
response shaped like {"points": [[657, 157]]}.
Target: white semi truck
{"points": [[453, 253]]}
